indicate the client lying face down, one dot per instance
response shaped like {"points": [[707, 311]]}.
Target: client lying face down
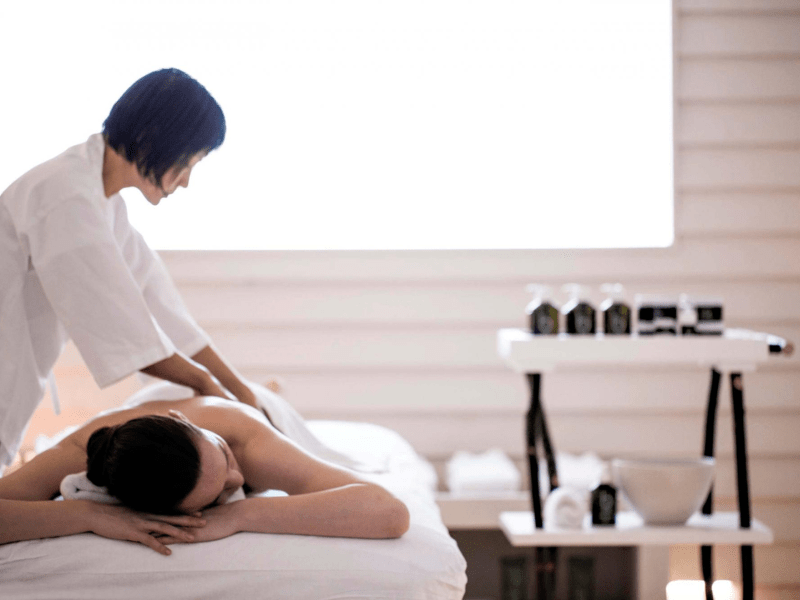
{"points": [[174, 465], [163, 465]]}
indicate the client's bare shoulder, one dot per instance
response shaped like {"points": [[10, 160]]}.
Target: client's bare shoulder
{"points": [[227, 418], [234, 421]]}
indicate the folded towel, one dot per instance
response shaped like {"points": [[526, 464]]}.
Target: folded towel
{"points": [[78, 487], [565, 508], [490, 472]]}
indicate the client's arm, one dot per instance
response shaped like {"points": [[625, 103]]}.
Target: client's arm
{"points": [[323, 499], [26, 512]]}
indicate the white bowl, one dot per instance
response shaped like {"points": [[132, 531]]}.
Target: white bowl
{"points": [[664, 492]]}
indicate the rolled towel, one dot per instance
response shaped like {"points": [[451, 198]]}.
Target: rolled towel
{"points": [[78, 487], [565, 508]]}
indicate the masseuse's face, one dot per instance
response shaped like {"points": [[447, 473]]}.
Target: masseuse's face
{"points": [[220, 475], [173, 179]]}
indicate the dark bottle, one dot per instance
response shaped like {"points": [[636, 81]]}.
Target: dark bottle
{"points": [[579, 315], [542, 313], [616, 314], [604, 501]]}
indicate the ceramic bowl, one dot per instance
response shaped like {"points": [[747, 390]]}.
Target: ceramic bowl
{"points": [[664, 492]]}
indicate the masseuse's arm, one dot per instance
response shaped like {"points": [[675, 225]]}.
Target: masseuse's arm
{"points": [[27, 512], [227, 375], [190, 373]]}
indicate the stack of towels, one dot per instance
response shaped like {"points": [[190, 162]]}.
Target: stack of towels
{"points": [[491, 472]]}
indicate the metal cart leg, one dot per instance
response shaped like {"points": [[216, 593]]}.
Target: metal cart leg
{"points": [[544, 557], [549, 455], [706, 557], [547, 571], [743, 483], [534, 379]]}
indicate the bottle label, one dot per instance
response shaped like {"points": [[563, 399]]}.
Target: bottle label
{"points": [[580, 320], [617, 320], [544, 320]]}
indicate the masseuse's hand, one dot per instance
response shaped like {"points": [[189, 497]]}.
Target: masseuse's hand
{"points": [[212, 387], [221, 522], [121, 523]]}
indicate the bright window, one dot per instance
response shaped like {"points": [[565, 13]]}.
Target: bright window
{"points": [[373, 124]]}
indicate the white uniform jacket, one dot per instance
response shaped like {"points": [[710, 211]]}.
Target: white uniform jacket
{"points": [[72, 266]]}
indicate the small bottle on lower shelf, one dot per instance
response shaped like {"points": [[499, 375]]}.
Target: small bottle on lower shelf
{"points": [[604, 500]]}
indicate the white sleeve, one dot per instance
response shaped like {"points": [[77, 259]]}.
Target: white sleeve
{"points": [[93, 292], [159, 291]]}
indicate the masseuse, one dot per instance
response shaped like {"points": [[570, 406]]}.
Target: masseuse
{"points": [[72, 266]]}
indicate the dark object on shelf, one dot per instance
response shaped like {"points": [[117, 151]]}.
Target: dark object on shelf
{"points": [[542, 312], [513, 578], [580, 578], [656, 315], [701, 315], [616, 314], [604, 501], [579, 315]]}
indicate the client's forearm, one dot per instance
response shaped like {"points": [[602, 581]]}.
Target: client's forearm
{"points": [[360, 510], [23, 520]]}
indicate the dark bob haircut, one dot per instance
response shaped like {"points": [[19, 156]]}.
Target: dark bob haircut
{"points": [[149, 464], [163, 120]]}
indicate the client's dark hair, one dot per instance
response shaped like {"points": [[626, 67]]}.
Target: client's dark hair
{"points": [[150, 463]]}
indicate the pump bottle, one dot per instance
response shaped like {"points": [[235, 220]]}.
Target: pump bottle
{"points": [[578, 313], [542, 311], [604, 500], [616, 314]]}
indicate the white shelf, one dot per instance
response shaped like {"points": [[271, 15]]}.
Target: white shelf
{"points": [[718, 528], [736, 349]]}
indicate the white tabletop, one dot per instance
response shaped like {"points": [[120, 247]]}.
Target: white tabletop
{"points": [[735, 350], [718, 528]]}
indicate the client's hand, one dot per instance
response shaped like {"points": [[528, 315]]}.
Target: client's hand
{"points": [[121, 523], [221, 521]]}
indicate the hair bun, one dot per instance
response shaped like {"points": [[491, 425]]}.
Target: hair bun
{"points": [[97, 450]]}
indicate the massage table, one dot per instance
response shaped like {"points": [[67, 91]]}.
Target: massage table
{"points": [[424, 564]]}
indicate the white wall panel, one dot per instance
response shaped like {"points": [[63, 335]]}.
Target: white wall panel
{"points": [[773, 168], [496, 305], [769, 437], [736, 125], [739, 35], [735, 80], [749, 7], [739, 213], [688, 260]]}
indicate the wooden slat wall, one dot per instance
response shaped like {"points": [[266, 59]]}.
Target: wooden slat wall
{"points": [[407, 339]]}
